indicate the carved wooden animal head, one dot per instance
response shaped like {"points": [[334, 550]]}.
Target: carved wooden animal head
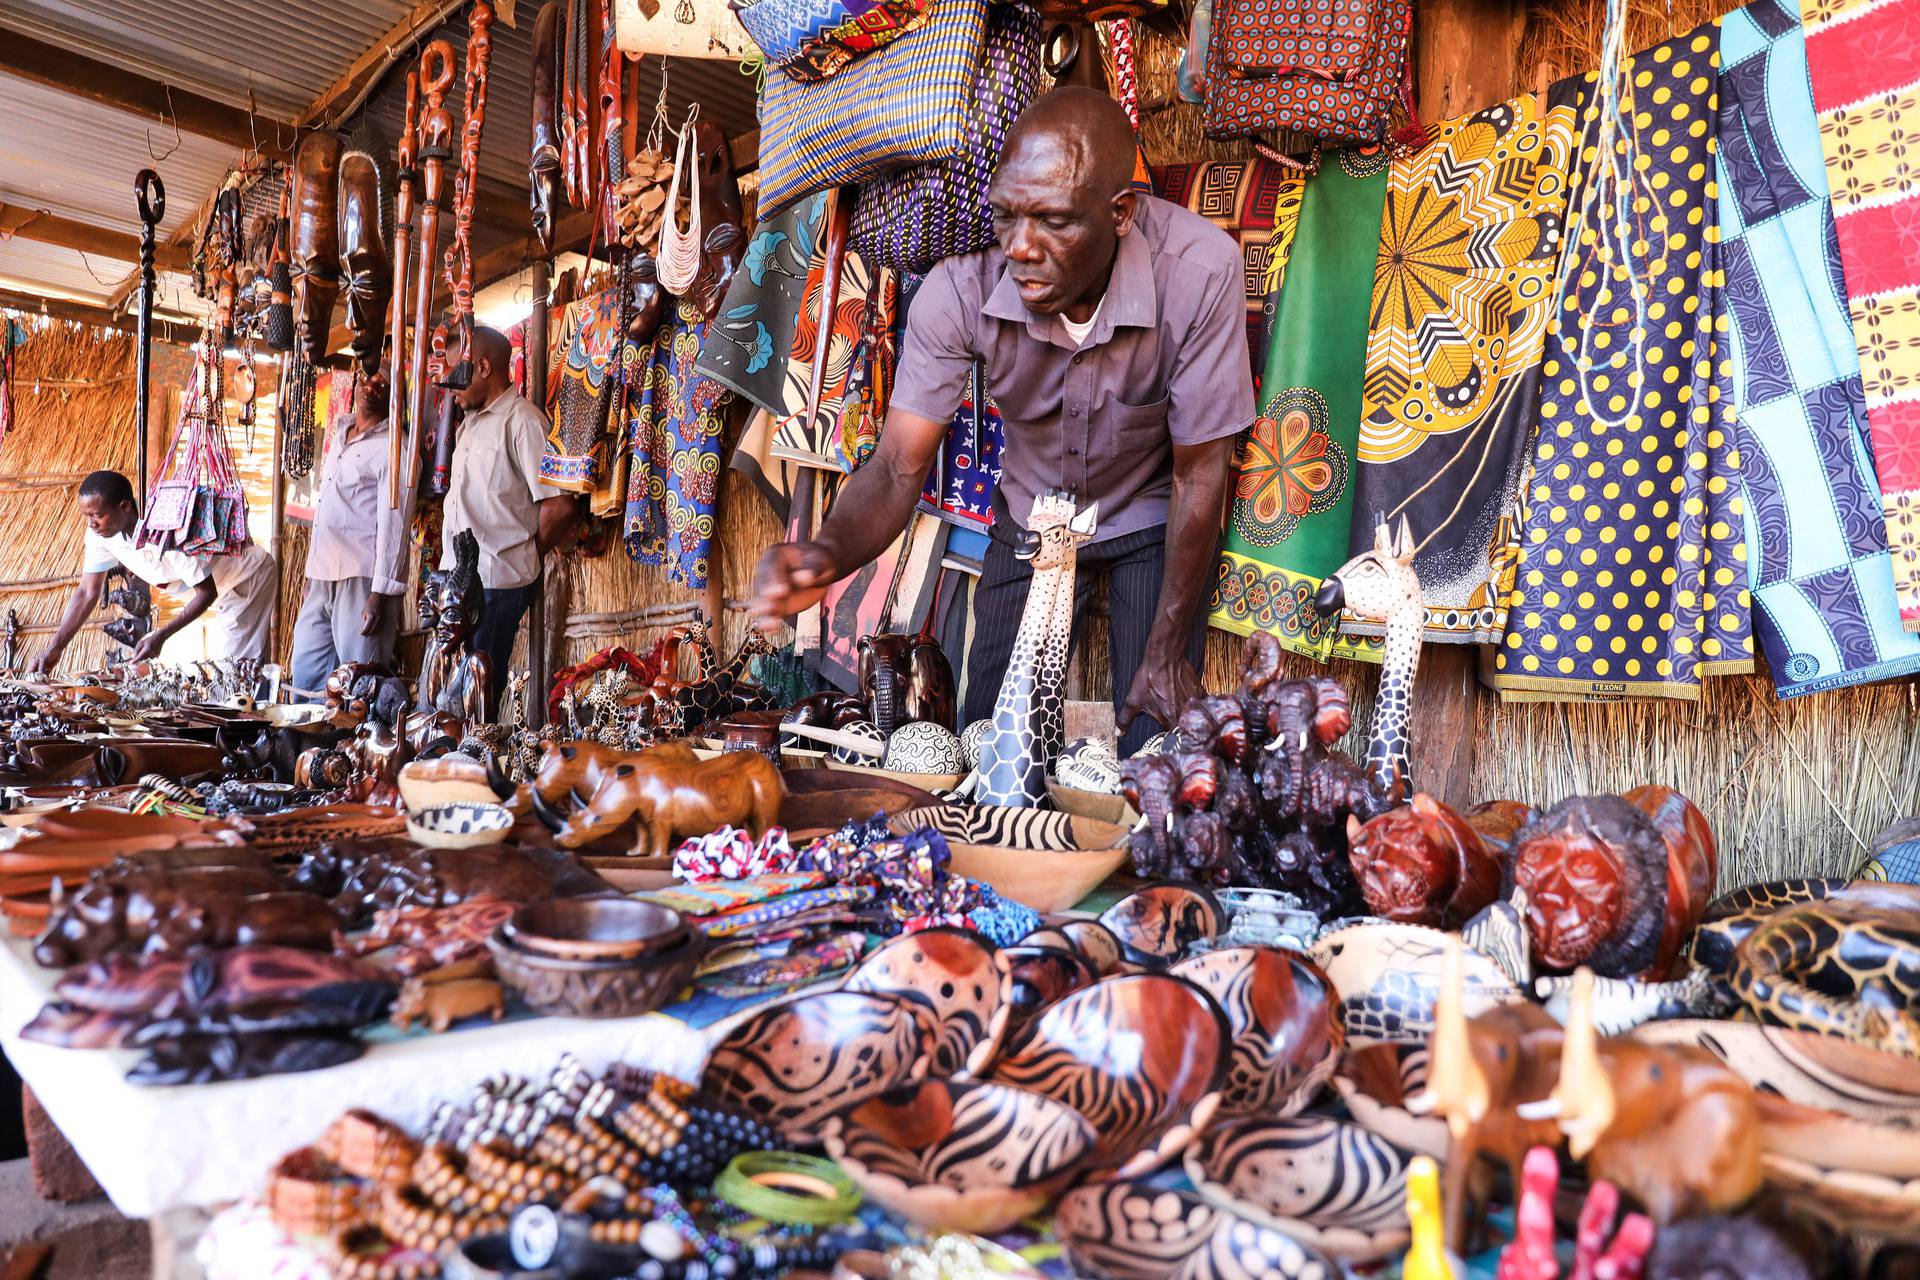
{"points": [[1378, 584], [1056, 530]]}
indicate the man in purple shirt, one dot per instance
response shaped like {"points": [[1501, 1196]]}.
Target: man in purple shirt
{"points": [[1111, 328]]}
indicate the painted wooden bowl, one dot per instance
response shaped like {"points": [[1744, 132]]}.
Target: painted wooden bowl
{"points": [[1388, 977], [794, 1064], [1156, 925], [1041, 858], [462, 825], [1285, 1017], [1031, 976], [1097, 945], [450, 779], [1334, 1185], [951, 1156], [1880, 1204], [1134, 1231], [1143, 1057], [1375, 1082], [597, 988], [949, 974], [595, 928], [1819, 1071]]}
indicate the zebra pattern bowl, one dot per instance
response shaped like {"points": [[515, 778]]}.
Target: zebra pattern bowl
{"points": [[1137, 1231], [971, 1157], [1285, 1017], [950, 975], [465, 824], [1328, 1183]]}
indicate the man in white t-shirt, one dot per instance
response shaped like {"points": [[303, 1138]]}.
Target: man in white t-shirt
{"points": [[235, 592]]}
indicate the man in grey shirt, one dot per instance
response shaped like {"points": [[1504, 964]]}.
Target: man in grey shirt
{"points": [[357, 560], [495, 490], [1111, 326]]}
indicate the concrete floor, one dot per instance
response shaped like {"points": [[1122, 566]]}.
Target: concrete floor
{"points": [[90, 1241]]}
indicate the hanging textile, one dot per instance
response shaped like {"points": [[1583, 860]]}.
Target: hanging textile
{"points": [[1816, 541], [892, 593], [675, 421], [845, 427], [1863, 57], [1293, 498], [580, 444], [1257, 202], [752, 335], [961, 486], [1462, 292], [1632, 580]]}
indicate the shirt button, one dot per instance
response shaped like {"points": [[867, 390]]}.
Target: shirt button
{"points": [[1078, 358], [1073, 411], [1074, 450]]}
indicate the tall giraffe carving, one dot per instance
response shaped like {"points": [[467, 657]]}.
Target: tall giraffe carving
{"points": [[1029, 725], [1381, 586]]}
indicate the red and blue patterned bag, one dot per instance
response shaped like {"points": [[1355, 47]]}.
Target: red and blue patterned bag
{"points": [[812, 39], [1328, 68]]}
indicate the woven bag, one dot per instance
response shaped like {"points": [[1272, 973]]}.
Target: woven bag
{"points": [[911, 219], [1327, 68], [901, 106], [812, 39]]}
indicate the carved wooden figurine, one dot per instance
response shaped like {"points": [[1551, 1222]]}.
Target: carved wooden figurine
{"points": [[576, 768], [1029, 715], [441, 1004], [543, 166], [906, 678], [435, 149], [1381, 586], [672, 799], [465, 187], [1423, 864], [455, 679]]}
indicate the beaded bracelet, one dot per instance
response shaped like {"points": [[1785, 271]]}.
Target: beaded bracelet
{"points": [[365, 1252], [785, 1187]]}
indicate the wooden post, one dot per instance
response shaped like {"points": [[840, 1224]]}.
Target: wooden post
{"points": [[539, 666]]}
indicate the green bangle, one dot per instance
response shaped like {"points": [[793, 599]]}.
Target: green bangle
{"points": [[788, 1188]]}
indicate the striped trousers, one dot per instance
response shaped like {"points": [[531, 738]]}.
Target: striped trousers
{"points": [[1132, 564]]}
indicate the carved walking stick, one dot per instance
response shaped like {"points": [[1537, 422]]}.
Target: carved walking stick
{"points": [[466, 181], [150, 198], [543, 167], [436, 146], [402, 253]]}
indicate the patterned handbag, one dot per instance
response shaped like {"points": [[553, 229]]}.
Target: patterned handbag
{"points": [[1328, 68], [902, 106], [1098, 10], [812, 39], [911, 219]]}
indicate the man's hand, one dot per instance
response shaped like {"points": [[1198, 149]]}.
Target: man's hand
{"points": [[1162, 688], [790, 578], [148, 646], [373, 614], [44, 664]]}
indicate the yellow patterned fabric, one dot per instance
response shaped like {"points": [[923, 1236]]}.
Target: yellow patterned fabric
{"points": [[1462, 292], [1633, 579]]}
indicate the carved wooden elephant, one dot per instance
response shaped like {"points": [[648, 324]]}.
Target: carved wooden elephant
{"points": [[906, 678]]}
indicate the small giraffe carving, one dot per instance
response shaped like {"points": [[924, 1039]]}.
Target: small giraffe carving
{"points": [[1029, 725], [1381, 586]]}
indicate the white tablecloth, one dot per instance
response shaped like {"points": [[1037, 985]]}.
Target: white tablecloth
{"points": [[157, 1148]]}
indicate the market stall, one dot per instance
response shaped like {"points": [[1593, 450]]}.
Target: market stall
{"points": [[940, 636]]}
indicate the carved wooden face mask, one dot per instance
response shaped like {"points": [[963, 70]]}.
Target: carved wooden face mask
{"points": [[363, 256], [315, 240]]}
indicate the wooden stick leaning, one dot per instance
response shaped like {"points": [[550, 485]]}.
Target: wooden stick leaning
{"points": [[397, 384], [436, 147]]}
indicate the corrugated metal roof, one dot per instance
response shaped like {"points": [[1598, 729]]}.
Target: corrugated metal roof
{"points": [[78, 160], [286, 53], [31, 267]]}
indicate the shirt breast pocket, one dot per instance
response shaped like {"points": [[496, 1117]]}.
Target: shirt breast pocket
{"points": [[1131, 429]]}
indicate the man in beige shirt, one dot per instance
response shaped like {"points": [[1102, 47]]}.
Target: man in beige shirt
{"points": [[357, 561], [495, 491]]}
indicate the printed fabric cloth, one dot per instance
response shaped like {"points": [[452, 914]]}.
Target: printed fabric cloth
{"points": [[1293, 484], [1863, 57], [580, 442], [1462, 292], [749, 340], [845, 426], [966, 475], [1817, 560], [676, 418], [1632, 579], [1258, 203]]}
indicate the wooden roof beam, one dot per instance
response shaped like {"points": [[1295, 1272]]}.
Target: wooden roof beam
{"points": [[347, 94], [49, 228], [110, 86]]}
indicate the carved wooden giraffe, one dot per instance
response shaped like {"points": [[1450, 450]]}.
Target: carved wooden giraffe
{"points": [[1029, 725], [1381, 586]]}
